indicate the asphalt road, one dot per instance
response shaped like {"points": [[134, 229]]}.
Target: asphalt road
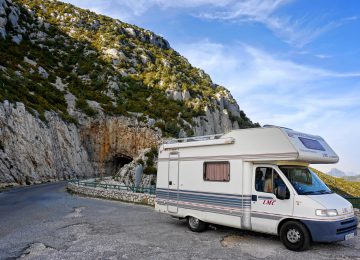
{"points": [[45, 222]]}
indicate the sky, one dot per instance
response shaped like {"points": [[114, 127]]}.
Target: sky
{"points": [[292, 63]]}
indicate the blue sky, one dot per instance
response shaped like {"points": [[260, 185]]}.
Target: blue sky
{"points": [[287, 62]]}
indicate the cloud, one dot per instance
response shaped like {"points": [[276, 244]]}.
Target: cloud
{"points": [[250, 68], [296, 31], [323, 56], [273, 89], [247, 10]]}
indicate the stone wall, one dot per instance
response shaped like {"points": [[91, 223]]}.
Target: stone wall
{"points": [[140, 198]]}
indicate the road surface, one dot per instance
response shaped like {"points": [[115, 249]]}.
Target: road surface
{"points": [[46, 222]]}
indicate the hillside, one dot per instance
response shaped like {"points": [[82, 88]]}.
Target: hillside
{"points": [[339, 185], [53, 53], [82, 94]]}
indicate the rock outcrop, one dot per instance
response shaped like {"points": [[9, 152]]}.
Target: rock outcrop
{"points": [[114, 142], [32, 151]]}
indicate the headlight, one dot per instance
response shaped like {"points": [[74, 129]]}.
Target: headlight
{"points": [[326, 212]]}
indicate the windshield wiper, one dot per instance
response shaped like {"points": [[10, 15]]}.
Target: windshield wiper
{"points": [[308, 192], [316, 192], [325, 191]]}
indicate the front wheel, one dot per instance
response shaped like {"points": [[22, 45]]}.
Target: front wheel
{"points": [[295, 236], [195, 224]]}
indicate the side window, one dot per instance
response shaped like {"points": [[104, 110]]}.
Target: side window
{"points": [[217, 171], [267, 180]]}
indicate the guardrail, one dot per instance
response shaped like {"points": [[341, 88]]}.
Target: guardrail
{"points": [[135, 189], [354, 201]]}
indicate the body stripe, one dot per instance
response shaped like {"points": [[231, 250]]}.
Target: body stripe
{"points": [[202, 197], [206, 209], [216, 203], [202, 192], [238, 202], [200, 206]]}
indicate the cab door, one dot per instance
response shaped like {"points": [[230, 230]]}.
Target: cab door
{"points": [[266, 209]]}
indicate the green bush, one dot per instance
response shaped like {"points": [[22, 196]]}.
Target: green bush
{"points": [[84, 106], [140, 161], [150, 170]]}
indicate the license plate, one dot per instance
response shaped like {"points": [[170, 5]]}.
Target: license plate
{"points": [[349, 236]]}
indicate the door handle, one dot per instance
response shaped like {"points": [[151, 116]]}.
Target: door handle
{"points": [[254, 197], [170, 182]]}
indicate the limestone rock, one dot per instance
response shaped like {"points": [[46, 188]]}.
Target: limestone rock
{"points": [[43, 73], [33, 151], [3, 22]]}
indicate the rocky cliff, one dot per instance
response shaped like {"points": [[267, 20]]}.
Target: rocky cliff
{"points": [[33, 151], [83, 93]]}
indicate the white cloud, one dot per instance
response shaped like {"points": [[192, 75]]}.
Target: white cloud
{"points": [[323, 56], [275, 90], [296, 31]]}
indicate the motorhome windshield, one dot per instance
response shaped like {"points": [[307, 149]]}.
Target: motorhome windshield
{"points": [[304, 180]]}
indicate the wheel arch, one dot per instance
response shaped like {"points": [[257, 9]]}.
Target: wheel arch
{"points": [[195, 216], [285, 220]]}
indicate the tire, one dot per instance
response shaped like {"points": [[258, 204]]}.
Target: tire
{"points": [[195, 224], [295, 236]]}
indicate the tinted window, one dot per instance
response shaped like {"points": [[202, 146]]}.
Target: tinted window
{"points": [[216, 171], [311, 144]]}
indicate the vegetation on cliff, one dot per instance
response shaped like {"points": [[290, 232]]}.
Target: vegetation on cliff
{"points": [[52, 51], [340, 186]]}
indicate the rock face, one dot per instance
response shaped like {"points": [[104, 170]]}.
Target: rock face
{"points": [[114, 142], [33, 151]]}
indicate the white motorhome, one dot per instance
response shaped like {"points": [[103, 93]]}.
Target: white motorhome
{"points": [[256, 179]]}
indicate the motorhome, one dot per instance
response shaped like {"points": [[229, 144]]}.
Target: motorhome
{"points": [[255, 179]]}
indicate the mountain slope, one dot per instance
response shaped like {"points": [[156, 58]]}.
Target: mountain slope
{"points": [[340, 186], [89, 57], [82, 94]]}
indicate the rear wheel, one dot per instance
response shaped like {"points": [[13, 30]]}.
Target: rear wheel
{"points": [[195, 224], [295, 236]]}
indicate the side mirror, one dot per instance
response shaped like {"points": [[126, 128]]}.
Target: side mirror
{"points": [[280, 193]]}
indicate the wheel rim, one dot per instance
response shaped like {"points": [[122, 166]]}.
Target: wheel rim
{"points": [[293, 236], [193, 222]]}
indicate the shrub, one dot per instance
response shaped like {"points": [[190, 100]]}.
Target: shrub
{"points": [[84, 106], [140, 161], [150, 170]]}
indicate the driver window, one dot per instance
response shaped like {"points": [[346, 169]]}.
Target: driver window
{"points": [[267, 180]]}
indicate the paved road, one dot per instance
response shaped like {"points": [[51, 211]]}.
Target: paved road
{"points": [[45, 222]]}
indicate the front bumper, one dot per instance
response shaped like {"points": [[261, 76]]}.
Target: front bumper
{"points": [[331, 231]]}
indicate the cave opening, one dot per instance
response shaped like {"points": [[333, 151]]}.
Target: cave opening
{"points": [[116, 163]]}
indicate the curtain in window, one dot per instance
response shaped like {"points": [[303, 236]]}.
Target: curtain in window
{"points": [[219, 171]]}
